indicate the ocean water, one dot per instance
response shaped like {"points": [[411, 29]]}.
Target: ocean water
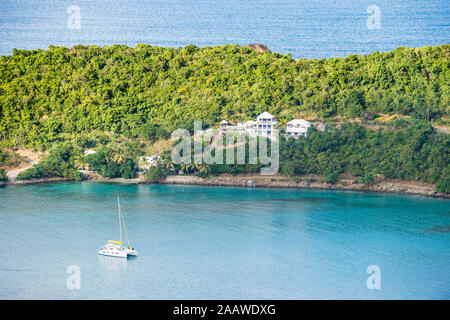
{"points": [[304, 28], [222, 243]]}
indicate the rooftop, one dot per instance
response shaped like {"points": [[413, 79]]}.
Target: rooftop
{"points": [[266, 115], [298, 121]]}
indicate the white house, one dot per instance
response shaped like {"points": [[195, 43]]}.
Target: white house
{"points": [[265, 124], [249, 127], [225, 126], [146, 162], [297, 127]]}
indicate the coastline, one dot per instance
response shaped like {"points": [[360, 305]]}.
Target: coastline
{"points": [[278, 181], [259, 181]]}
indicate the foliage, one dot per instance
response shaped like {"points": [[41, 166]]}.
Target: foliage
{"points": [[413, 153], [9, 159], [444, 183], [156, 173], [3, 176], [59, 163], [331, 176], [128, 169], [145, 92], [112, 163]]}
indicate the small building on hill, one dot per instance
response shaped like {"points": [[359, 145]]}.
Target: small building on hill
{"points": [[90, 151], [265, 124], [146, 162], [297, 127]]}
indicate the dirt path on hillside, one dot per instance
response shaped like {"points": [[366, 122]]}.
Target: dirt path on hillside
{"points": [[12, 174], [31, 158]]}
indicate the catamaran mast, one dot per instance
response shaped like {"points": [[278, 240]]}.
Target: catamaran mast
{"points": [[120, 220]]}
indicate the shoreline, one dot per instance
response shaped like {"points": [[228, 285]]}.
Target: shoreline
{"points": [[247, 181], [259, 181]]}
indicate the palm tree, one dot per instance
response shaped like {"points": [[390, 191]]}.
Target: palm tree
{"points": [[119, 157], [184, 167], [169, 165], [202, 168], [193, 167], [145, 163]]}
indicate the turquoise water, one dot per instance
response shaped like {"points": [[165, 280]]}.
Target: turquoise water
{"points": [[304, 28], [222, 243]]}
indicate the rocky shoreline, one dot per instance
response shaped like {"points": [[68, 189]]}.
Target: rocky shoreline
{"points": [[258, 181], [398, 187]]}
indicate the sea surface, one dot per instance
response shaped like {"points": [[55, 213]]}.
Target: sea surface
{"points": [[303, 28], [221, 243]]}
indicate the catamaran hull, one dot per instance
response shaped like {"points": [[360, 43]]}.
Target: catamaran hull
{"points": [[132, 253], [113, 254]]}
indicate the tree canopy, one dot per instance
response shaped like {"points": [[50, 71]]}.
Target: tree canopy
{"points": [[148, 91]]}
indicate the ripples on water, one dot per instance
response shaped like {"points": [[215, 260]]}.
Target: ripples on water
{"points": [[304, 28], [221, 243]]}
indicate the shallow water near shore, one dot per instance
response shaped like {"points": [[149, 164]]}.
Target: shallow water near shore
{"points": [[222, 243]]}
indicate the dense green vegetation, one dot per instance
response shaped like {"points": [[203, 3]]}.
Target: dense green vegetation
{"points": [[416, 153], [145, 92], [111, 165], [412, 151], [156, 173], [118, 100], [65, 160]]}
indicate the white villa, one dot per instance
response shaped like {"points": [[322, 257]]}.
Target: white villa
{"points": [[297, 127], [264, 126]]}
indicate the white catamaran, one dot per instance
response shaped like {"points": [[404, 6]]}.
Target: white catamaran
{"points": [[116, 248]]}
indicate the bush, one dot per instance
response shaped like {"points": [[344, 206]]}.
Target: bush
{"points": [[203, 174], [288, 169], [443, 185], [155, 174], [97, 161], [110, 170], [57, 164], [331, 177], [128, 169], [9, 159], [3, 176]]}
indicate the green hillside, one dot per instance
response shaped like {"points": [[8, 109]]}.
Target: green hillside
{"points": [[148, 91]]}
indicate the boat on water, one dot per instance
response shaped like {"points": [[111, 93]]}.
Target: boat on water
{"points": [[116, 248]]}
